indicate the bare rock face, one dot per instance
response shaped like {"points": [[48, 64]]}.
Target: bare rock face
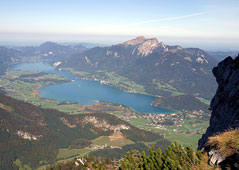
{"points": [[215, 158], [225, 104], [136, 41], [103, 124], [145, 47]]}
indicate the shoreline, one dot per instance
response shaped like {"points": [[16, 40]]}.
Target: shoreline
{"points": [[36, 92], [102, 81]]}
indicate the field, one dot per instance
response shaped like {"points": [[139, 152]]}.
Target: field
{"points": [[68, 153], [101, 140], [188, 133], [115, 140], [185, 139], [167, 88]]}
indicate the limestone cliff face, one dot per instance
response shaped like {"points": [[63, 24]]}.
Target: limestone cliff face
{"points": [[136, 41], [225, 104], [143, 46]]}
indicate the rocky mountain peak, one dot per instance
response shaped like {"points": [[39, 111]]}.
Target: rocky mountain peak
{"points": [[148, 46], [136, 41], [225, 103], [143, 46]]}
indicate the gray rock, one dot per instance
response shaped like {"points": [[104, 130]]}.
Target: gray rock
{"points": [[225, 103], [215, 158]]}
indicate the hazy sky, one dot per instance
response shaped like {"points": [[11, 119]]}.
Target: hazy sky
{"points": [[105, 21]]}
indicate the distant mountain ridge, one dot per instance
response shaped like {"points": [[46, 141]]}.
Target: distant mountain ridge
{"points": [[47, 52], [221, 55], [6, 58], [163, 70], [147, 60]]}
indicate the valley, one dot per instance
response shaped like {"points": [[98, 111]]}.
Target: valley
{"points": [[119, 85], [93, 98], [25, 85]]}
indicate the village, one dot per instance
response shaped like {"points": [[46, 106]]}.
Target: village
{"points": [[183, 122]]}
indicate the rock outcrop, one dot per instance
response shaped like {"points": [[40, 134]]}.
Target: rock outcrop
{"points": [[215, 157], [225, 104], [224, 117], [136, 41], [143, 46]]}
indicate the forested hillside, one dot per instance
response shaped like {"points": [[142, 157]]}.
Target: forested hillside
{"points": [[34, 135]]}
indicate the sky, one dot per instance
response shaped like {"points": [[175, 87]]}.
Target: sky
{"points": [[203, 23]]}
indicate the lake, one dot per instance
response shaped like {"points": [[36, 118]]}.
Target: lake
{"points": [[90, 92]]}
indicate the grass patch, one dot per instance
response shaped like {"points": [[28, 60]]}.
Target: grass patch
{"points": [[167, 88], [227, 143], [100, 140], [138, 121], [204, 100], [67, 153], [184, 139], [196, 124], [203, 165], [120, 142], [116, 139], [124, 83]]}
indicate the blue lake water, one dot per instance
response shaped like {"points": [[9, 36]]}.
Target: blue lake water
{"points": [[90, 92]]}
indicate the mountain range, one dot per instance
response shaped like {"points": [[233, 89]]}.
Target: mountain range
{"points": [[48, 52], [164, 71], [34, 135], [152, 64]]}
